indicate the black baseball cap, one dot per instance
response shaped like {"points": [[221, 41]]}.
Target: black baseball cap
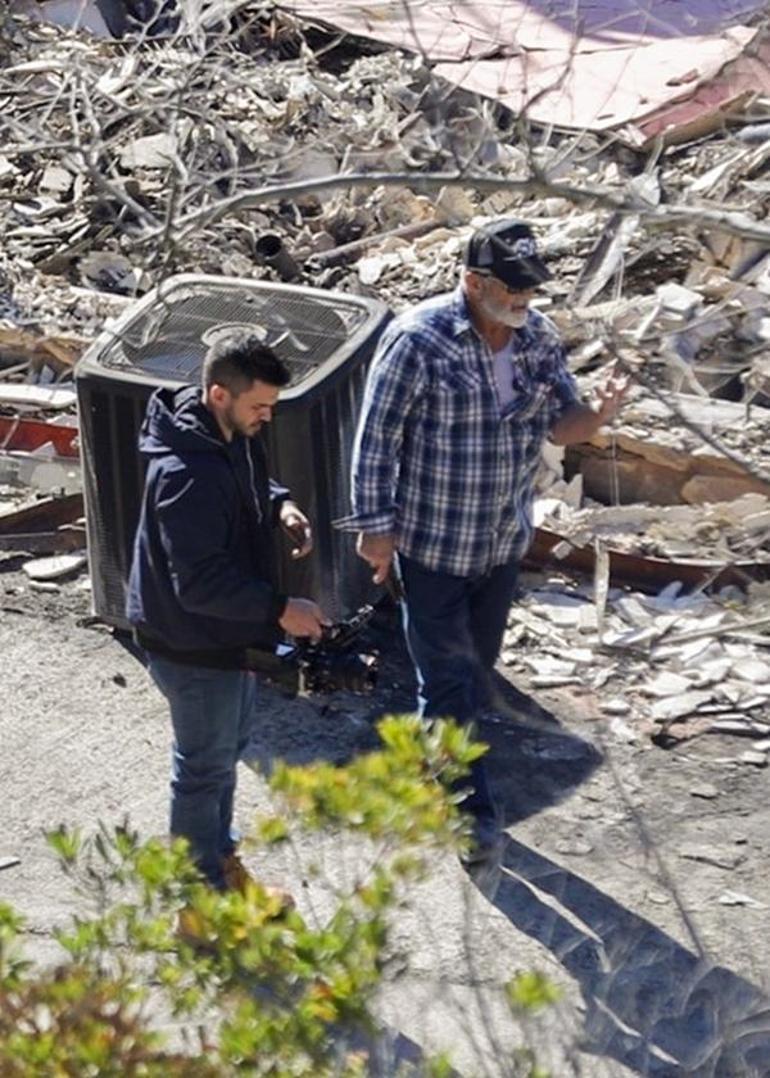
{"points": [[506, 250]]}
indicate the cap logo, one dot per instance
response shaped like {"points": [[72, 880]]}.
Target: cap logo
{"points": [[523, 247]]}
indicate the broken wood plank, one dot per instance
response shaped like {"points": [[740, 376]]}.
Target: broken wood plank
{"points": [[62, 541], [64, 351], [31, 396], [345, 250], [606, 258], [647, 573], [721, 630], [657, 474], [44, 515]]}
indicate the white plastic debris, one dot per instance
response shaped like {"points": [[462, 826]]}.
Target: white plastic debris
{"points": [[53, 568]]}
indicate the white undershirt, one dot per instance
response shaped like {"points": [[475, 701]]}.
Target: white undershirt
{"points": [[504, 374]]}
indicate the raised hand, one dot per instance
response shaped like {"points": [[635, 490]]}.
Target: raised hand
{"points": [[297, 527]]}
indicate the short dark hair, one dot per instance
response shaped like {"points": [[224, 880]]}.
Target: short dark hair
{"points": [[237, 358]]}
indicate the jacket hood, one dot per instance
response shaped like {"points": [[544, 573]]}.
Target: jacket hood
{"points": [[177, 421]]}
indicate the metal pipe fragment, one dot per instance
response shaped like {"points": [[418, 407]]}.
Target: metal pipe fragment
{"points": [[270, 251], [410, 231]]}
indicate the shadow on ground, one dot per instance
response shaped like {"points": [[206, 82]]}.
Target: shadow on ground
{"points": [[653, 1005], [533, 762]]}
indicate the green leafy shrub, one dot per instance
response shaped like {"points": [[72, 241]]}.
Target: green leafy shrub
{"points": [[250, 986]]}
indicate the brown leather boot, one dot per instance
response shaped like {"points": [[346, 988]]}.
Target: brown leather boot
{"points": [[238, 878]]}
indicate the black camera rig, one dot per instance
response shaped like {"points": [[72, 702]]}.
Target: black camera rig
{"points": [[305, 667]]}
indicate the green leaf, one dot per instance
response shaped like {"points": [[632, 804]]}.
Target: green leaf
{"points": [[532, 991], [271, 830], [66, 844]]}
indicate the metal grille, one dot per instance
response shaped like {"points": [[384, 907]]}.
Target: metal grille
{"points": [[326, 340], [114, 478], [169, 339]]}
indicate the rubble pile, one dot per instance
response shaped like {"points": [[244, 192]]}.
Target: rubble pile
{"points": [[721, 532], [12, 497], [123, 163], [120, 166], [108, 153], [670, 665]]}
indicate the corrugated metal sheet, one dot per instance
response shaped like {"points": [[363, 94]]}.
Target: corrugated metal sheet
{"points": [[595, 64]]}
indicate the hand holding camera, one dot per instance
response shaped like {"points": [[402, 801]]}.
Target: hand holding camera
{"points": [[319, 664], [303, 618]]}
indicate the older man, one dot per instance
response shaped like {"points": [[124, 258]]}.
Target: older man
{"points": [[463, 392]]}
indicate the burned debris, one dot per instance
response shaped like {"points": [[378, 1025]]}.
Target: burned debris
{"points": [[124, 164], [671, 665]]}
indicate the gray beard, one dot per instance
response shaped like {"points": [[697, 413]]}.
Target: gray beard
{"points": [[514, 321], [504, 317]]}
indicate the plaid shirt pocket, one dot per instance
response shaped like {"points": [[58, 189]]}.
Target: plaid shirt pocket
{"points": [[528, 402], [457, 380]]}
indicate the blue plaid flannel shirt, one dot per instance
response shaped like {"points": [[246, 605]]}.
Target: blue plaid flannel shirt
{"points": [[436, 461]]}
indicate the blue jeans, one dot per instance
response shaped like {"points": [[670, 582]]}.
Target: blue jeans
{"points": [[212, 715], [454, 627]]}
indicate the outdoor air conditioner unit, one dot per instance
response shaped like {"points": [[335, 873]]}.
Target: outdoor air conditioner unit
{"points": [[326, 339]]}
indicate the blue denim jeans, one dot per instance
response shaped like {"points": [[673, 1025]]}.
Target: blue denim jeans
{"points": [[454, 628], [212, 715]]}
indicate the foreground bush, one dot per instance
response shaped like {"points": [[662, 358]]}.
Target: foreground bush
{"points": [[257, 991]]}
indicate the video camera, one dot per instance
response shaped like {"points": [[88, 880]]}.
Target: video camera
{"points": [[304, 667]]}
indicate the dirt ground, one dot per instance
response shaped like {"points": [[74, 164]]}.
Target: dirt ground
{"points": [[635, 877]]}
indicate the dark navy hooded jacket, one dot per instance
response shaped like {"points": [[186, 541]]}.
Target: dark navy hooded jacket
{"points": [[203, 573]]}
